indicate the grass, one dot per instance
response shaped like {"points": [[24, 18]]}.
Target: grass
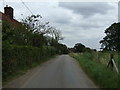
{"points": [[104, 77], [21, 71]]}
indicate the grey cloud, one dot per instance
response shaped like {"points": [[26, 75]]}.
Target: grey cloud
{"points": [[60, 17], [62, 20], [88, 42], [87, 26], [87, 8], [71, 19], [92, 42]]}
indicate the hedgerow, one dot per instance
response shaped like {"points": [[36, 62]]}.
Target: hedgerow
{"points": [[16, 57]]}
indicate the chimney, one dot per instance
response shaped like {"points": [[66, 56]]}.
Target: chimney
{"points": [[8, 11]]}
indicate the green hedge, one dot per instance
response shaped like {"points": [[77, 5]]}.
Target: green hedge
{"points": [[19, 57]]}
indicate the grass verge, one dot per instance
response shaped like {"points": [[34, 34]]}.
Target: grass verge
{"points": [[99, 73]]}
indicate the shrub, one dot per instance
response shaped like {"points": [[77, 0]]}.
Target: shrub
{"points": [[19, 57]]}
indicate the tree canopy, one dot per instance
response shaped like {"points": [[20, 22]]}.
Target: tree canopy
{"points": [[112, 39], [79, 47]]}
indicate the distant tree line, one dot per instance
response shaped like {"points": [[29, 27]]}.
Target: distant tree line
{"points": [[79, 47]]}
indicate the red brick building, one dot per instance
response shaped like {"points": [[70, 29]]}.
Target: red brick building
{"points": [[7, 16]]}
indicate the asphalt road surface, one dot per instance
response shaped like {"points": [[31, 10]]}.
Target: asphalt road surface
{"points": [[60, 72]]}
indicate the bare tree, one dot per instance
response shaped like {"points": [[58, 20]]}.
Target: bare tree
{"points": [[56, 34], [34, 24]]}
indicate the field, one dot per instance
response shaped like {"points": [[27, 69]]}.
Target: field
{"points": [[95, 65]]}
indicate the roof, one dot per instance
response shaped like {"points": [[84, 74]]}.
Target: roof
{"points": [[6, 18]]}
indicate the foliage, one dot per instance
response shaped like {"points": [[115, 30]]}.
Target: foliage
{"points": [[17, 36], [56, 34], [34, 24], [62, 49], [19, 57], [103, 76], [112, 39], [31, 32], [81, 48], [88, 49], [43, 33]]}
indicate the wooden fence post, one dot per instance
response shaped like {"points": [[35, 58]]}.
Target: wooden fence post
{"points": [[110, 63], [115, 66]]}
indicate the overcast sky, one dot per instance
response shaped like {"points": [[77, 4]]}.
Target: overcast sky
{"points": [[80, 22]]}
